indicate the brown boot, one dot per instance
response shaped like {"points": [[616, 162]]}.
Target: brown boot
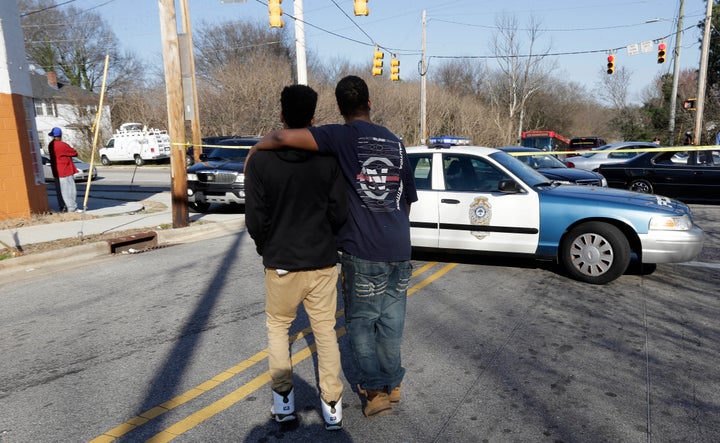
{"points": [[378, 403], [394, 395]]}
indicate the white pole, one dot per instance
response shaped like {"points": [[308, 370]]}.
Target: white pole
{"points": [[423, 88], [300, 42]]}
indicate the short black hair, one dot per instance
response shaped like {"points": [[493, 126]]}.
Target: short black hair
{"points": [[352, 96], [298, 104]]}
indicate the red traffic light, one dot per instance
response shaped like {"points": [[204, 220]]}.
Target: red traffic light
{"points": [[661, 52], [611, 64]]}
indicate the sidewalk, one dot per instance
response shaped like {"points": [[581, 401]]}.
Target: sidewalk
{"points": [[105, 213]]}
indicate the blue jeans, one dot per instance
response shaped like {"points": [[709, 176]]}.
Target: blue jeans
{"points": [[375, 296]]}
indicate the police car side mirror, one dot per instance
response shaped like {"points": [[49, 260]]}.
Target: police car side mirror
{"points": [[203, 156], [508, 186]]}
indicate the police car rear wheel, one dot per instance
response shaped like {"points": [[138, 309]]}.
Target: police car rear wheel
{"points": [[595, 253]]}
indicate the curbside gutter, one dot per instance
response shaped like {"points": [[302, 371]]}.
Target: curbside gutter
{"points": [[102, 248]]}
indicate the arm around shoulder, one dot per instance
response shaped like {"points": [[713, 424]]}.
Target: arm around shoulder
{"points": [[293, 138]]}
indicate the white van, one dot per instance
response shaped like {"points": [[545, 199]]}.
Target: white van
{"points": [[134, 142]]}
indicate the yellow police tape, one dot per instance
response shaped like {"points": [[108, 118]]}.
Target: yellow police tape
{"points": [[595, 151], [520, 154]]}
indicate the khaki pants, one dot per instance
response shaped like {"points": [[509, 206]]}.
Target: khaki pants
{"points": [[317, 291]]}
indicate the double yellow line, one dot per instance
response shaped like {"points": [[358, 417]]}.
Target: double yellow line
{"points": [[239, 394]]}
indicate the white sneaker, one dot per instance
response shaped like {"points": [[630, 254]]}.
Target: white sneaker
{"points": [[332, 413], [283, 408]]}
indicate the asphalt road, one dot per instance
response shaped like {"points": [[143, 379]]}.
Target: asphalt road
{"points": [[169, 344]]}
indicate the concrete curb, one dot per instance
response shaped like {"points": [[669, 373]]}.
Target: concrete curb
{"points": [[102, 248], [80, 252]]}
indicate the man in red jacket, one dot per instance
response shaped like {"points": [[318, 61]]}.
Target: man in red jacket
{"points": [[63, 170]]}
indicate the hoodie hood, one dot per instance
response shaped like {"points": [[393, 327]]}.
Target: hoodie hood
{"points": [[293, 155]]}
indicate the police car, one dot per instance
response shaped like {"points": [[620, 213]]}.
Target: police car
{"points": [[474, 198]]}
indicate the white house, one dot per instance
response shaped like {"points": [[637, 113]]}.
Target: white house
{"points": [[68, 107]]}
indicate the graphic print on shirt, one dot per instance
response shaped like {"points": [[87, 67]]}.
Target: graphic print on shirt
{"points": [[378, 183]]}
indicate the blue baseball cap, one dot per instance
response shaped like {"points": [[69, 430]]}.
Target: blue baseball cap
{"points": [[55, 132]]}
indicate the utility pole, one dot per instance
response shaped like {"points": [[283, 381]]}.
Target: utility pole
{"points": [[676, 74], [190, 86], [423, 87], [176, 122], [702, 79], [300, 42]]}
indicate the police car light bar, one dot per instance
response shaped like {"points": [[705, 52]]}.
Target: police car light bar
{"points": [[446, 139]]}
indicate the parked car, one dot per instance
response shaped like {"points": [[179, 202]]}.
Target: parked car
{"points": [[219, 177], [484, 200], [554, 169], [612, 153], [81, 166], [658, 173], [585, 143]]}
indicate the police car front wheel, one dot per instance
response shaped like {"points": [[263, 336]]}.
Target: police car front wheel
{"points": [[595, 252]]}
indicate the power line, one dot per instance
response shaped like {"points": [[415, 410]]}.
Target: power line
{"points": [[45, 9], [353, 22]]}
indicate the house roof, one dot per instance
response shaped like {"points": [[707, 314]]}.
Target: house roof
{"points": [[41, 89]]}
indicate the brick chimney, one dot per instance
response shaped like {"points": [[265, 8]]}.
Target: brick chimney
{"points": [[52, 79]]}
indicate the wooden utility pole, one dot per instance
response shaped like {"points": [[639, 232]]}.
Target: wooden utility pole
{"points": [[702, 79], [176, 122], [190, 74]]}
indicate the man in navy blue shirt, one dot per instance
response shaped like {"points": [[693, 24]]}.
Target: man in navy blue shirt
{"points": [[375, 240]]}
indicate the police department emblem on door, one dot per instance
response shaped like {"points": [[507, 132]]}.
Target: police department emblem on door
{"points": [[480, 213]]}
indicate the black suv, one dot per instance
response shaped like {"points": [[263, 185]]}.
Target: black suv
{"points": [[218, 176]]}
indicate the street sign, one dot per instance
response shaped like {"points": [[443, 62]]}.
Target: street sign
{"points": [[632, 49], [647, 46]]}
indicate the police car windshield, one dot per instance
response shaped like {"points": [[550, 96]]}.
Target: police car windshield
{"points": [[521, 170]]}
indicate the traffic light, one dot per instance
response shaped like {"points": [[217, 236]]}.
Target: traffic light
{"points": [[377, 62], [611, 64], [661, 52], [689, 104], [361, 7], [276, 13], [394, 69]]}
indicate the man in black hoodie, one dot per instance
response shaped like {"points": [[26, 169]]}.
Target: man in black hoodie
{"points": [[295, 203]]}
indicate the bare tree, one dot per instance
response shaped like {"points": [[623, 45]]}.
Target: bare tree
{"points": [[613, 89], [462, 77], [222, 44], [523, 70], [74, 43]]}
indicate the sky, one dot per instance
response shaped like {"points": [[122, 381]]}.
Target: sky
{"points": [[580, 33]]}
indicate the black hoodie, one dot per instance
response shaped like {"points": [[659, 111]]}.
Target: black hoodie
{"points": [[295, 202]]}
